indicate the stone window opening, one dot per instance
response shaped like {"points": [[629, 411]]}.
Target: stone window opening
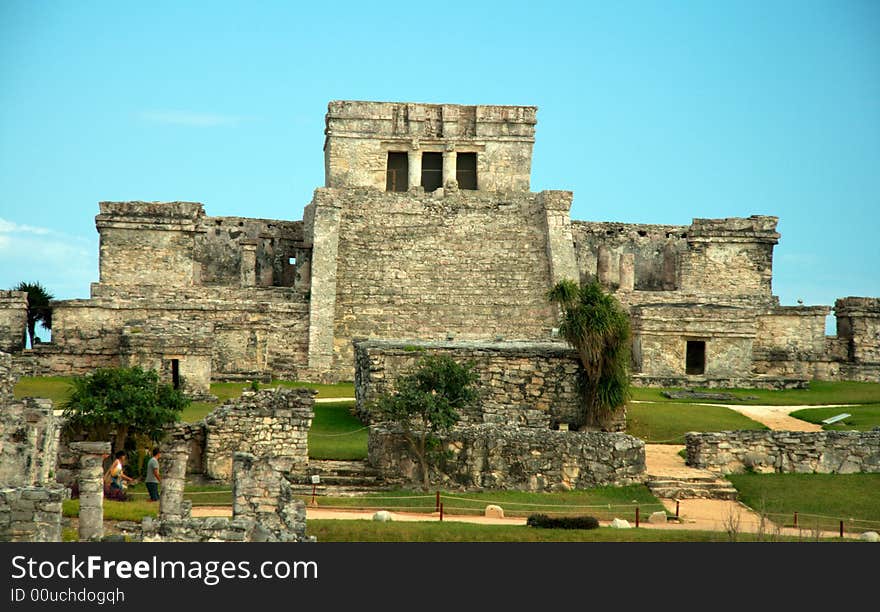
{"points": [[175, 373], [397, 173], [695, 357], [432, 171], [291, 261], [466, 170]]}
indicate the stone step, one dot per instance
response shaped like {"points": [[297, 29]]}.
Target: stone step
{"points": [[340, 468], [700, 484], [685, 493], [697, 487], [339, 480]]}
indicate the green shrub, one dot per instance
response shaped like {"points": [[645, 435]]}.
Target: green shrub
{"points": [[562, 522]]}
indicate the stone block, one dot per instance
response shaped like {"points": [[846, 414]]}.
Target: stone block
{"points": [[493, 511]]}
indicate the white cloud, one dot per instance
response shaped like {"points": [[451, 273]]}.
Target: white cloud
{"points": [[189, 118], [9, 227], [65, 264]]}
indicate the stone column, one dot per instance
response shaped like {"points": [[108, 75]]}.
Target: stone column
{"points": [[669, 272], [415, 167], [627, 271], [173, 471], [450, 165], [91, 487], [603, 266], [322, 219], [557, 230], [248, 263]]}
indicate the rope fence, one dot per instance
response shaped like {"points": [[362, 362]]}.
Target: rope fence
{"points": [[454, 504]]}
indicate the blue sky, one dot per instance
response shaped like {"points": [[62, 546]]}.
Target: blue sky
{"points": [[652, 112]]}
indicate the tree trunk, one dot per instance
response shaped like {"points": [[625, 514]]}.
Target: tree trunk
{"points": [[121, 437]]}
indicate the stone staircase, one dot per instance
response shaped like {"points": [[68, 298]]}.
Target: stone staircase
{"points": [[709, 486], [339, 478]]}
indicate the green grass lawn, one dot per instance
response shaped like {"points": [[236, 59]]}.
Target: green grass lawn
{"points": [[336, 433], [132, 510], [371, 531], [864, 418], [818, 392], [604, 503], [666, 423], [813, 496], [55, 388]]}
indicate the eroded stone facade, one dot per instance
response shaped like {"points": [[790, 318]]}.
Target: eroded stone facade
{"points": [[491, 456], [426, 229], [822, 452], [30, 502], [521, 384]]}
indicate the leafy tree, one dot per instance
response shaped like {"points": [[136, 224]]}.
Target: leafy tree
{"points": [[597, 326], [426, 404], [38, 308], [124, 401]]}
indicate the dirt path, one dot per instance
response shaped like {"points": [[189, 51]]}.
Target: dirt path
{"points": [[777, 417]]}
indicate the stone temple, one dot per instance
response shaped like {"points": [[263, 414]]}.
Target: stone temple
{"points": [[426, 229]]}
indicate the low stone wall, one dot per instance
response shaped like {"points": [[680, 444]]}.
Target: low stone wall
{"points": [[265, 423], [264, 509], [699, 382], [31, 514], [823, 452], [498, 457], [525, 384]]}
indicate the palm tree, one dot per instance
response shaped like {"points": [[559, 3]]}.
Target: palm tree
{"points": [[596, 325], [38, 308]]}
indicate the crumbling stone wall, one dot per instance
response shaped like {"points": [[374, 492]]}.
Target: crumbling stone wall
{"points": [[359, 136], [28, 434], [30, 504], [264, 509], [491, 456], [661, 333], [266, 423], [823, 452], [31, 513], [527, 384], [253, 332], [789, 340], [469, 264], [13, 320], [655, 248], [729, 257]]}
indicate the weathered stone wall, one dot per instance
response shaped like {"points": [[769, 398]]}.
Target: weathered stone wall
{"points": [[359, 136], [471, 264], [255, 332], [30, 504], [156, 344], [30, 514], [262, 492], [148, 243], [823, 452], [13, 320], [491, 456], [28, 434], [528, 384], [661, 333], [266, 423], [655, 249], [858, 324], [789, 340], [732, 257]]}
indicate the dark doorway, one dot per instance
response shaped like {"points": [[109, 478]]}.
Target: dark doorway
{"points": [[695, 359], [432, 171], [175, 373], [466, 170], [397, 176]]}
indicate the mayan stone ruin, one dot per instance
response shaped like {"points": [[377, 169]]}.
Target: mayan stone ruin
{"points": [[425, 229]]}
